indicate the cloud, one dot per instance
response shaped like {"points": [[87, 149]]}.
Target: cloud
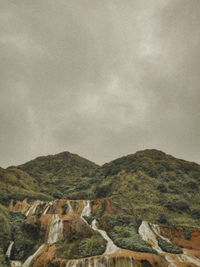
{"points": [[101, 79]]}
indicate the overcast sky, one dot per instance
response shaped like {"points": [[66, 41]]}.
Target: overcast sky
{"points": [[100, 78]]}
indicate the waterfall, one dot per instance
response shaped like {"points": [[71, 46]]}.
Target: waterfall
{"points": [[185, 258], [56, 229], [102, 261], [131, 261], [48, 206], [86, 210], [15, 264], [111, 247], [8, 252], [156, 229], [28, 261], [70, 207], [148, 235], [71, 263], [27, 213], [32, 208]]}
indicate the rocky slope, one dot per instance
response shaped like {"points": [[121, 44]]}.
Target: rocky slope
{"points": [[78, 233]]}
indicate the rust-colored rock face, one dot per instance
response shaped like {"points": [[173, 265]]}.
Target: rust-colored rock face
{"points": [[62, 224], [177, 236]]}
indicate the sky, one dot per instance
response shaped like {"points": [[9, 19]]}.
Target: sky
{"points": [[101, 79]]}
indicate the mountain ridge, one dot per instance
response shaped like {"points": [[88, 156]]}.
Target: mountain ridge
{"points": [[127, 198], [146, 180]]}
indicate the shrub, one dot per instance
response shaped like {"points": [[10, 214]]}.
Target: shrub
{"points": [[195, 213], [192, 185], [67, 251], [187, 233], [3, 261], [103, 191], [5, 233], [127, 238], [162, 188], [136, 187], [181, 205], [25, 236], [100, 210], [64, 207], [162, 218], [93, 246], [168, 247]]}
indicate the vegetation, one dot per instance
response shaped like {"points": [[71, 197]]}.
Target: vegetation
{"points": [[168, 247], [93, 246], [3, 261], [25, 237], [151, 183], [123, 230], [73, 247], [5, 232], [148, 185]]}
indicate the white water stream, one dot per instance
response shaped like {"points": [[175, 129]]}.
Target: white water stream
{"points": [[148, 235], [48, 206], [86, 210], [8, 252], [102, 261], [28, 261], [56, 229], [70, 207], [15, 264], [33, 208], [111, 247]]}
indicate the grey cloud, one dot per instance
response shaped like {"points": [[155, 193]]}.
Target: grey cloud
{"points": [[99, 78]]}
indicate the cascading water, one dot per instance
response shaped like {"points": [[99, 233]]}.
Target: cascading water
{"points": [[47, 208], [102, 261], [15, 264], [186, 258], [33, 208], [148, 235], [56, 229], [182, 257], [28, 261], [86, 210], [111, 247], [70, 207], [8, 252]]}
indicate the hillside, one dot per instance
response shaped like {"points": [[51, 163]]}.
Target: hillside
{"points": [[125, 193], [45, 178], [77, 233], [59, 175], [149, 184], [154, 186]]}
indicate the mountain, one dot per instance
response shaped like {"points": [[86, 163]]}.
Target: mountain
{"points": [[59, 175], [141, 201], [45, 178], [154, 186]]}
